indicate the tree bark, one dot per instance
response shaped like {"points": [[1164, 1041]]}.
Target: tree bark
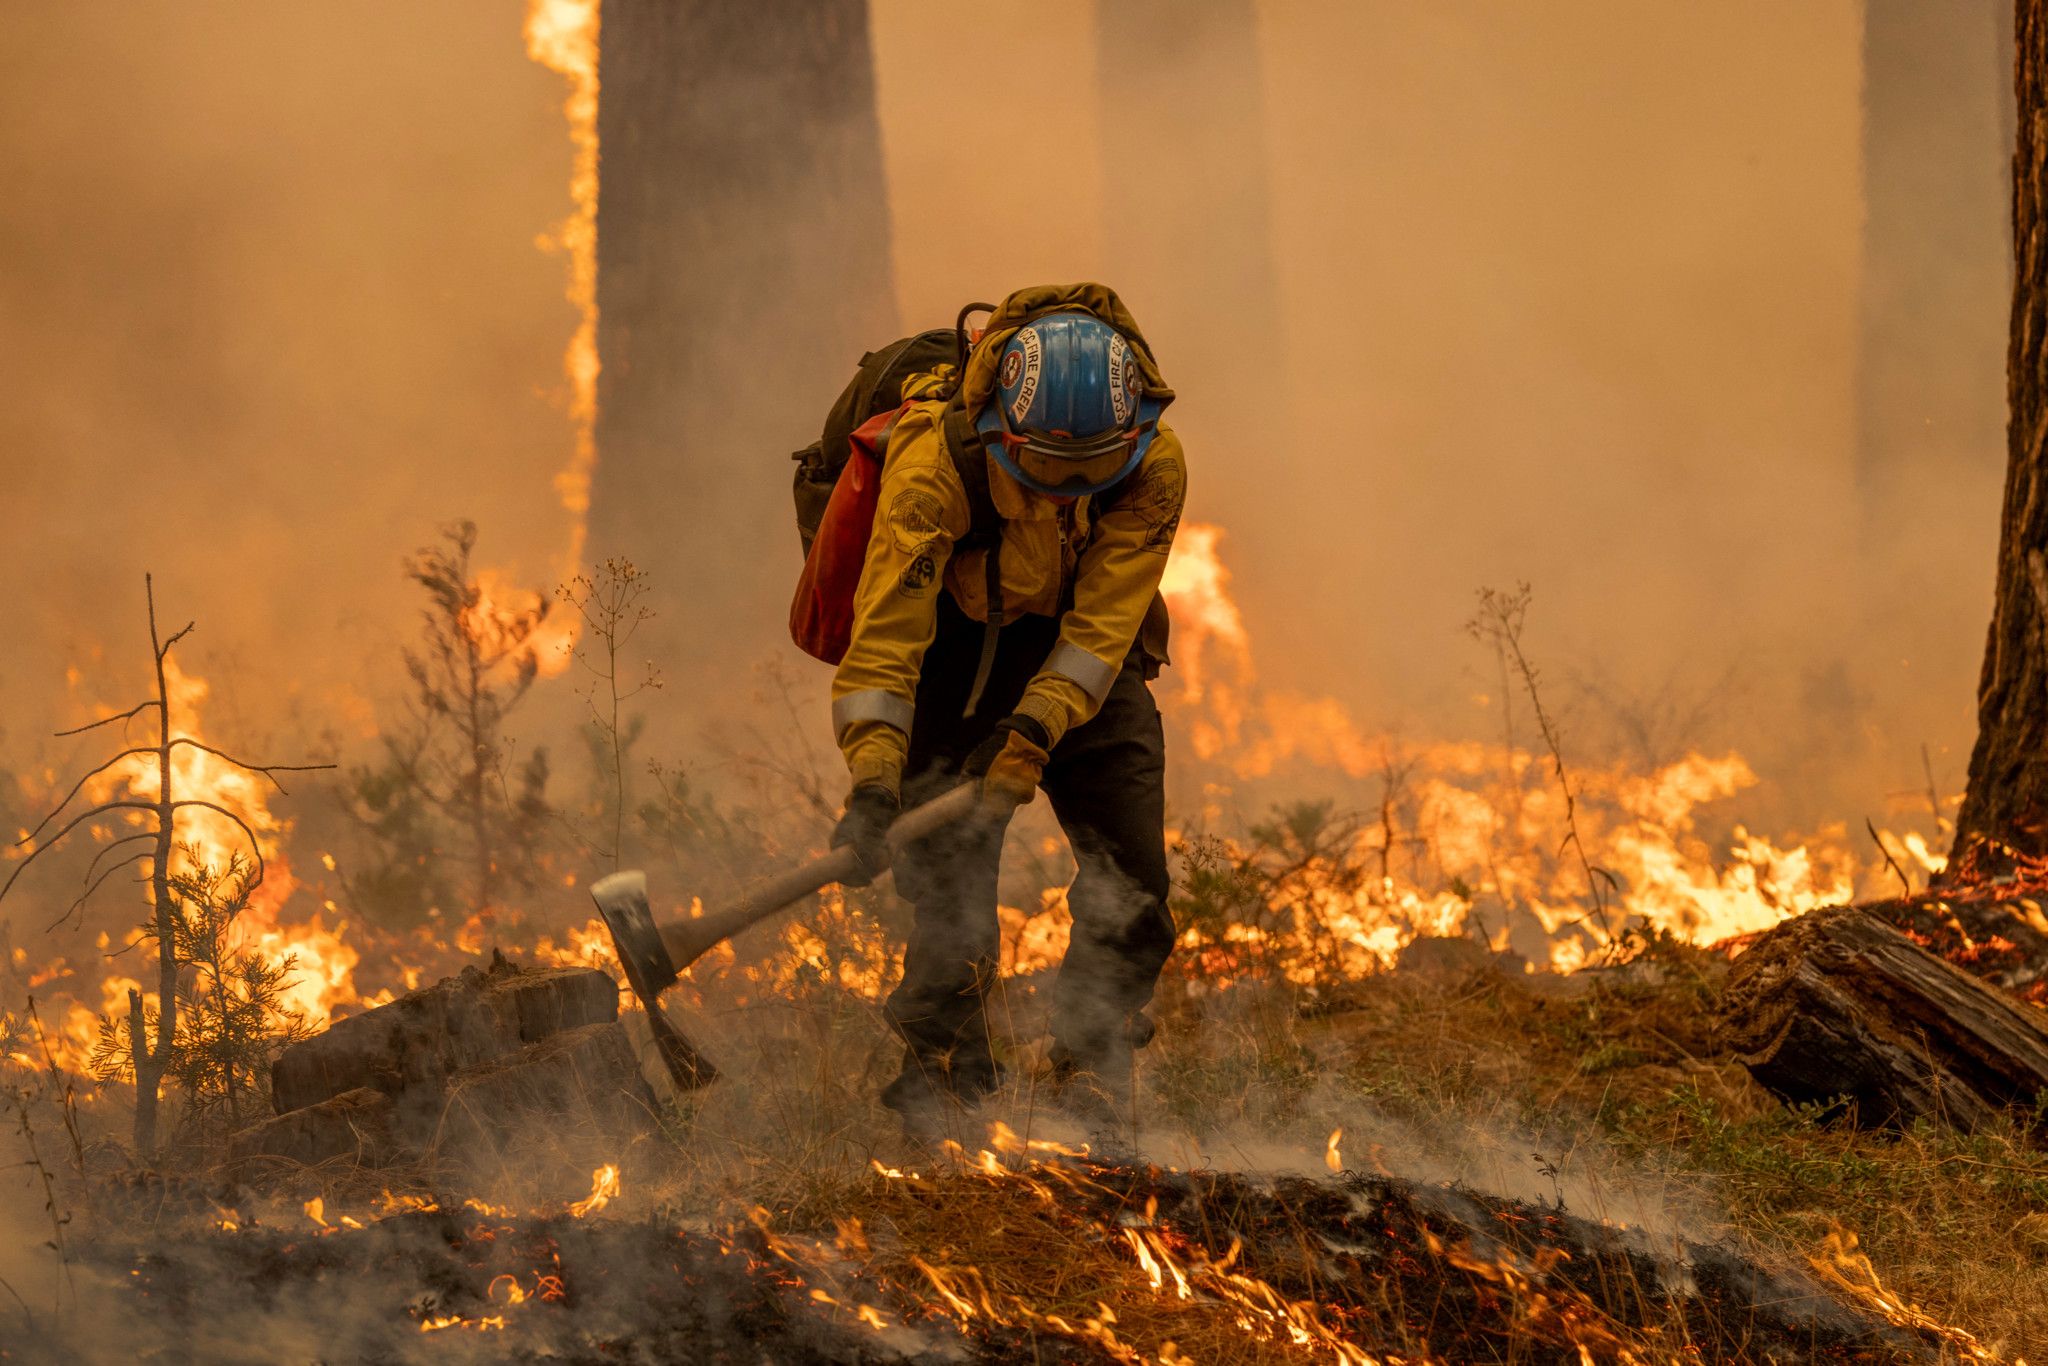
{"points": [[2005, 807], [1836, 1004], [743, 268]]}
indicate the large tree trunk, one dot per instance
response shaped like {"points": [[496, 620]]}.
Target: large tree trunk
{"points": [[2006, 804], [744, 265], [1836, 1004]]}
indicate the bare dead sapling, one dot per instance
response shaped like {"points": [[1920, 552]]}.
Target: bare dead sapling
{"points": [[154, 816]]}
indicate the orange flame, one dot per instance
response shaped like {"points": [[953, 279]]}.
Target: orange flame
{"points": [[1842, 1266], [604, 1188], [562, 35]]}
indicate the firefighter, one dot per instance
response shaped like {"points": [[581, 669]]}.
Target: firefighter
{"points": [[1019, 655]]}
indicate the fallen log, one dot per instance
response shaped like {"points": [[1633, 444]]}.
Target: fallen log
{"points": [[1838, 1006], [2003, 940]]}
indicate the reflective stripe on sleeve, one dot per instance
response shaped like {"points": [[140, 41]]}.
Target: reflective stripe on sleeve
{"points": [[871, 704], [1071, 661]]}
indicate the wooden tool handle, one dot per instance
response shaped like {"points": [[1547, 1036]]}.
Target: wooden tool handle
{"points": [[779, 889], [687, 939]]}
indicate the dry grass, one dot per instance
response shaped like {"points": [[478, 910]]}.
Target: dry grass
{"points": [[1605, 1093], [1608, 1094], [1627, 1074]]}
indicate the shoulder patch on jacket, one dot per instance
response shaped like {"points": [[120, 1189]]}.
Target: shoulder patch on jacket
{"points": [[915, 518], [1155, 500], [919, 576]]}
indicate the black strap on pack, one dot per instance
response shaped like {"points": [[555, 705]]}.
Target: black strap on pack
{"points": [[984, 532]]}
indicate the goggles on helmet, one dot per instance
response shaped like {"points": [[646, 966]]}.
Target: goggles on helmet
{"points": [[1069, 416]]}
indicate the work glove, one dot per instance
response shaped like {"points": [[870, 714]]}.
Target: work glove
{"points": [[1008, 764], [870, 810]]}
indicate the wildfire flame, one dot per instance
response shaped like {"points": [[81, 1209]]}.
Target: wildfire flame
{"points": [[1479, 820], [604, 1188], [562, 35], [1842, 1266]]}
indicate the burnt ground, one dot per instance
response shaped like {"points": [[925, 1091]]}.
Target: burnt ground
{"points": [[1469, 1277], [595, 1290], [1399, 1269]]}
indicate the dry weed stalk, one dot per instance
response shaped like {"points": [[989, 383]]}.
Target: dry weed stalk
{"points": [[67, 1092], [1499, 622], [22, 1096], [613, 607]]}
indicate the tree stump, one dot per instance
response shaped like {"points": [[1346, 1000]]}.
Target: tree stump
{"points": [[1837, 1005], [417, 1042], [574, 1099], [354, 1126]]}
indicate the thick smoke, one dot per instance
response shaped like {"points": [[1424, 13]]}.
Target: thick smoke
{"points": [[272, 310], [1566, 294]]}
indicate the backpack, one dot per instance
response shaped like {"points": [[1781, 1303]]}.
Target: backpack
{"points": [[838, 481]]}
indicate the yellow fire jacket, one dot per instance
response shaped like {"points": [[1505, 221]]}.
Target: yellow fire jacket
{"points": [[1112, 561]]}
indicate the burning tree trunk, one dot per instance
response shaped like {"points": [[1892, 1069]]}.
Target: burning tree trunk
{"points": [[1836, 1004], [2005, 808], [173, 922]]}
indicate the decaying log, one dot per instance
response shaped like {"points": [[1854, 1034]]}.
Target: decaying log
{"points": [[2003, 940], [1837, 1004], [417, 1042], [355, 1125]]}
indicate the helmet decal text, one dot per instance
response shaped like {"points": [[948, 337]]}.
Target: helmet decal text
{"points": [[1027, 385], [1122, 370]]}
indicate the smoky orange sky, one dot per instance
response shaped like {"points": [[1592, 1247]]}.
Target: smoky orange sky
{"points": [[1565, 292]]}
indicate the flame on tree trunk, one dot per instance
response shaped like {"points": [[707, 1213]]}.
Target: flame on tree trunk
{"points": [[2005, 809]]}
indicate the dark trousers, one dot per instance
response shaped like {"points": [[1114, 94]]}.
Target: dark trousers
{"points": [[1106, 782]]}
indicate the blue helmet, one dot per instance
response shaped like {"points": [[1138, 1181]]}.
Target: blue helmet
{"points": [[1069, 415]]}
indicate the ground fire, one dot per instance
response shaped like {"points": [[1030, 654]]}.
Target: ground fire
{"points": [[533, 1007]]}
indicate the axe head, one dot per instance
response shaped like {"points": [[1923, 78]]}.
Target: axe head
{"points": [[622, 901]]}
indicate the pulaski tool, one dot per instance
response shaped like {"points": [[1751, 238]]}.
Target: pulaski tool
{"points": [[655, 954]]}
